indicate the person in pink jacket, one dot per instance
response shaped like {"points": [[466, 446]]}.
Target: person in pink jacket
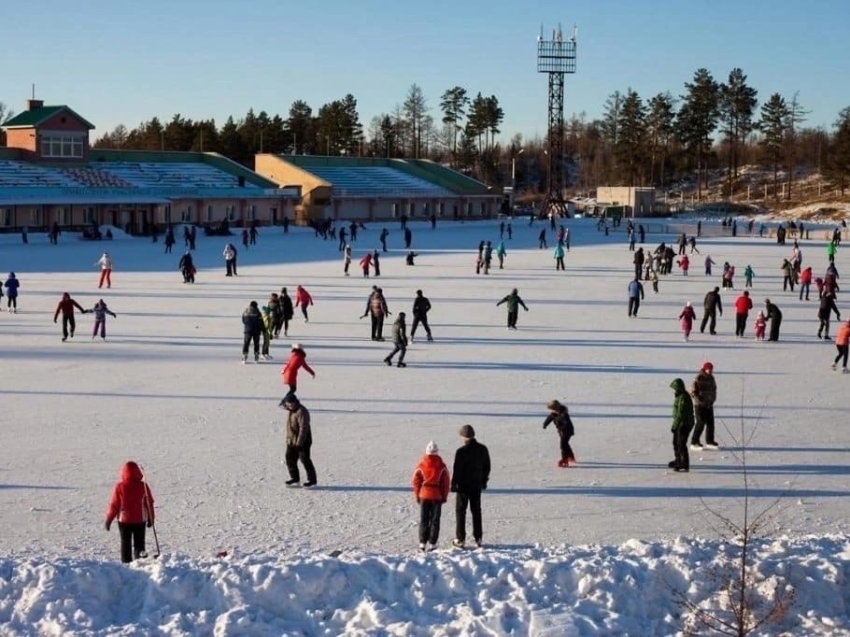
{"points": [[687, 318], [303, 298]]}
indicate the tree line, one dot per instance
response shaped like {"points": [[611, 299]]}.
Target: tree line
{"points": [[635, 142]]}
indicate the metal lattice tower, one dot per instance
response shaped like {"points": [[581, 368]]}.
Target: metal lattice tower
{"points": [[556, 57]]}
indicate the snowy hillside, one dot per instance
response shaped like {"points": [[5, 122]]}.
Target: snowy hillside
{"points": [[601, 548]]}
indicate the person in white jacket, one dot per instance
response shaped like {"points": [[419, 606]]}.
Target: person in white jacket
{"points": [[105, 263], [230, 259]]}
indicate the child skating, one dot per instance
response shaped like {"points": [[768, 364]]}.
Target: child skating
{"points": [[100, 310]]}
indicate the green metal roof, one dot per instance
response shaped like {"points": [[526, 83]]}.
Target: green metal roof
{"points": [[31, 119]]}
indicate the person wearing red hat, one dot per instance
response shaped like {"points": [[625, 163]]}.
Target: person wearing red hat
{"points": [[704, 393]]}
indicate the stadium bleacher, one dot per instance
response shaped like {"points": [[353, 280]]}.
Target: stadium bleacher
{"points": [[19, 173], [368, 180], [95, 178], [170, 175]]}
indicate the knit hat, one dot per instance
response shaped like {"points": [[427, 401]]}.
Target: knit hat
{"points": [[554, 405], [432, 449], [467, 432], [296, 346], [290, 399], [253, 304], [707, 366], [688, 304]]}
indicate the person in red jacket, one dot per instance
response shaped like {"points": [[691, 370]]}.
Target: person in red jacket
{"points": [[743, 305], [431, 484], [366, 263], [289, 372], [303, 298], [805, 283], [132, 504], [687, 318], [66, 307]]}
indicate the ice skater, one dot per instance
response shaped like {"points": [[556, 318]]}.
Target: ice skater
{"points": [[100, 310]]}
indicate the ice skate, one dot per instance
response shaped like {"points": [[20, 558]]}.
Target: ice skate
{"points": [[458, 544], [423, 547]]}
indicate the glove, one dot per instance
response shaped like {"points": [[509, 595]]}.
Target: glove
{"points": [[150, 523], [364, 316], [418, 501], [107, 524], [526, 309], [313, 374], [484, 487], [54, 320]]}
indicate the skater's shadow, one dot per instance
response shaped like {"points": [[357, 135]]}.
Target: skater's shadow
{"points": [[39, 487]]}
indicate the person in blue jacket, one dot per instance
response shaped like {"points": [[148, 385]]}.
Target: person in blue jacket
{"points": [[11, 286], [635, 296], [559, 257]]}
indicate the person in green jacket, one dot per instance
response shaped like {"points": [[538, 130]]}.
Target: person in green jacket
{"points": [[831, 249], [514, 301], [683, 422], [501, 251]]}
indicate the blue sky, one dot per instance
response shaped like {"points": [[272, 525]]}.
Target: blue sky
{"points": [[116, 61]]}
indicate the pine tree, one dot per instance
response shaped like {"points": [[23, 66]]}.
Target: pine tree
{"points": [[5, 113], [796, 115], [415, 111], [697, 119], [838, 165], [610, 129], [453, 103], [630, 144], [660, 125], [737, 106], [773, 126], [300, 129]]}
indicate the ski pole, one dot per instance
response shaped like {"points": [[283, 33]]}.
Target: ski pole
{"points": [[149, 510]]}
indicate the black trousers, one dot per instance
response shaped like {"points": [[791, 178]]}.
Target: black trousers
{"points": [[634, 305], [472, 500], [710, 319], [429, 521], [842, 353], [68, 326], [566, 449], [293, 455], [704, 417], [132, 540], [740, 324], [304, 312], [416, 321], [774, 329], [377, 327], [682, 458], [246, 342], [824, 327], [559, 263], [512, 316], [228, 264]]}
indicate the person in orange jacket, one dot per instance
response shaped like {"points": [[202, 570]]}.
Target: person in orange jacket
{"points": [[289, 372], [842, 344], [132, 504], [431, 484]]}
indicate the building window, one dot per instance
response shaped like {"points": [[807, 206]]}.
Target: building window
{"points": [[252, 212], [209, 214], [411, 209], [66, 146], [426, 208], [7, 216], [395, 210], [441, 208], [231, 213], [469, 209], [483, 208], [35, 217]]}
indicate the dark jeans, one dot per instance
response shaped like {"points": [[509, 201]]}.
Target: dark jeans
{"points": [[680, 448], [740, 324], [842, 354], [228, 264], [399, 349], [132, 540], [429, 521], [704, 417], [773, 335], [559, 263], [634, 305], [304, 313], [473, 501], [246, 342], [377, 327], [416, 321], [293, 455], [823, 328], [512, 316], [68, 326], [804, 289], [710, 319]]}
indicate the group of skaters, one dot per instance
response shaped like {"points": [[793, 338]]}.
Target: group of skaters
{"points": [[262, 324]]}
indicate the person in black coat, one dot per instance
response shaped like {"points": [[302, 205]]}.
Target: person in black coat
{"points": [[470, 475], [825, 309], [252, 327], [774, 315], [421, 307], [187, 267], [287, 311], [713, 305], [560, 415]]}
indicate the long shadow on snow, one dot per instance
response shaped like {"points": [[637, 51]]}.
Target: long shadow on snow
{"points": [[638, 491], [35, 486]]}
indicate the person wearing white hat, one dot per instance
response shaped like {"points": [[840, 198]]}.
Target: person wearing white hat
{"points": [[686, 319], [289, 372], [431, 485]]}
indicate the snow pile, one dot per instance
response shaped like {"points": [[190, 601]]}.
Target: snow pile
{"points": [[630, 589]]}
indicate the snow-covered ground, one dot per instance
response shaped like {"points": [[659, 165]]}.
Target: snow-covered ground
{"points": [[602, 548]]}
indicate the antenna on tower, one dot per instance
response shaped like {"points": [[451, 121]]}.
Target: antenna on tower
{"points": [[33, 90], [575, 33]]}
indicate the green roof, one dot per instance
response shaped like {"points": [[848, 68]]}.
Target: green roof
{"points": [[31, 119]]}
